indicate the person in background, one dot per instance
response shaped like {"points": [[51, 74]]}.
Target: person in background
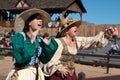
{"points": [[61, 66], [6, 34], [29, 49], [7, 44], [114, 48]]}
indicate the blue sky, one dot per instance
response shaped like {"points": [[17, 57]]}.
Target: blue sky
{"points": [[101, 11]]}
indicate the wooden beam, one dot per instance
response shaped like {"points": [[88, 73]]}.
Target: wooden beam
{"points": [[63, 14], [80, 16]]}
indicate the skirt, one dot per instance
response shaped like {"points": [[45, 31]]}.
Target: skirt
{"points": [[25, 74]]}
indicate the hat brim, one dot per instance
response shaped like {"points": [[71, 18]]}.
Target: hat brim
{"points": [[76, 23], [20, 21]]}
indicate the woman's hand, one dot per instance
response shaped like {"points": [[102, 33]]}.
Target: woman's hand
{"points": [[64, 71], [108, 32], [46, 40]]}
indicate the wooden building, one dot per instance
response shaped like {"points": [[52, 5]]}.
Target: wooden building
{"points": [[63, 7]]}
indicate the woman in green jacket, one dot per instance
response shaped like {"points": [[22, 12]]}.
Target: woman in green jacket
{"points": [[29, 49]]}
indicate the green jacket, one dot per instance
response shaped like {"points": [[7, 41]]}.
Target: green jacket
{"points": [[24, 50]]}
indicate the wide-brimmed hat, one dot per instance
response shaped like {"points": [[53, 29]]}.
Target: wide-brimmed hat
{"points": [[20, 21], [66, 24]]}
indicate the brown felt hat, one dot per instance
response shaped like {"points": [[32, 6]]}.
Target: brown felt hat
{"points": [[20, 21], [66, 24]]}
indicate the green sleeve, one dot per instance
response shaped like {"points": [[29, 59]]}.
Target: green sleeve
{"points": [[23, 49], [48, 50]]}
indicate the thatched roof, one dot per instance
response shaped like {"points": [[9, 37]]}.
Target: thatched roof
{"points": [[51, 6]]}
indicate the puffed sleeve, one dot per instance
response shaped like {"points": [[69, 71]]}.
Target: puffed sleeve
{"points": [[23, 49], [54, 64], [97, 41]]}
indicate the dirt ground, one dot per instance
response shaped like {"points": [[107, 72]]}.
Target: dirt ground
{"points": [[5, 66], [90, 71]]}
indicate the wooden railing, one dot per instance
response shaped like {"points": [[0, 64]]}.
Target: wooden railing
{"points": [[106, 57], [106, 61], [9, 54], [82, 76]]}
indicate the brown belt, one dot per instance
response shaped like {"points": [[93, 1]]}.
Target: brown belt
{"points": [[20, 68]]}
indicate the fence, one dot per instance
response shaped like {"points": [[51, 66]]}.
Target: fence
{"points": [[106, 61], [83, 30], [81, 75]]}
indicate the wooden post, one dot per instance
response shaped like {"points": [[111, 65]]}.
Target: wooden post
{"points": [[63, 14], [81, 76], [81, 16], [107, 64]]}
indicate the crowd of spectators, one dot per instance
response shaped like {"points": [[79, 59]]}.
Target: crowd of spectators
{"points": [[5, 41]]}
